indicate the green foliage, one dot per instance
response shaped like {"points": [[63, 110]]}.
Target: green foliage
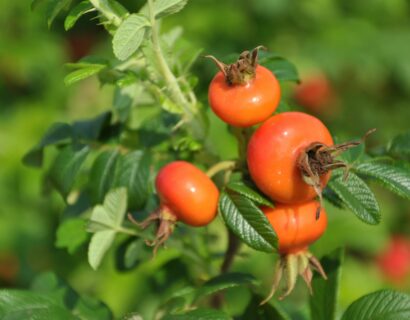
{"points": [[251, 194], [102, 174], [155, 107], [323, 304], [76, 13], [106, 220], [380, 305], [57, 133], [356, 196], [83, 71], [200, 313], [134, 174], [222, 282], [66, 167], [50, 298], [399, 146], [129, 36], [392, 176], [268, 311], [247, 221], [71, 234]]}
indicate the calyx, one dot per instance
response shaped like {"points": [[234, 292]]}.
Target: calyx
{"points": [[317, 159], [243, 70], [291, 265], [165, 220]]}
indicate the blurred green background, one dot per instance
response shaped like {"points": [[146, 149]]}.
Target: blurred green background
{"points": [[361, 48]]}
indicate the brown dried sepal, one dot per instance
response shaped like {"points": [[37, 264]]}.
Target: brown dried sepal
{"points": [[241, 71], [165, 220], [291, 265], [318, 159]]}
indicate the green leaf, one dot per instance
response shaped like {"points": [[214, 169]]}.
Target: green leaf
{"points": [[282, 68], [102, 174], [129, 36], [54, 8], [91, 129], [356, 196], [332, 197], [134, 174], [18, 304], [83, 73], [88, 308], [56, 134], [247, 222], [131, 253], [124, 100], [112, 212], [269, 311], [199, 314], [394, 177], [71, 234], [399, 146], [65, 168], [323, 302], [100, 242], [166, 7], [222, 282], [380, 305], [83, 307], [76, 12], [251, 194]]}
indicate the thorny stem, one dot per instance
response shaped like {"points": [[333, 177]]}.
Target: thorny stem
{"points": [[221, 166], [175, 91], [104, 8]]}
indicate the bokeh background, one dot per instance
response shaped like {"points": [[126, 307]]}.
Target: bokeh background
{"points": [[354, 62]]}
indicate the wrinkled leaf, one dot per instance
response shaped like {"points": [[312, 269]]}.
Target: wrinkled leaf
{"points": [[356, 196], [248, 192], [129, 36], [380, 305], [394, 177], [247, 222]]}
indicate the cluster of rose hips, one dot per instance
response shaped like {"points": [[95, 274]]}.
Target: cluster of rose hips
{"points": [[289, 158]]}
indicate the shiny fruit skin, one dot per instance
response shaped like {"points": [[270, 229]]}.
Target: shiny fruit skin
{"points": [[296, 225], [248, 104], [188, 192], [273, 151]]}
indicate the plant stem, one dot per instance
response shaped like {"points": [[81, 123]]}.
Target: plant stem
{"points": [[128, 231], [231, 251], [105, 9], [220, 166], [174, 89]]}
